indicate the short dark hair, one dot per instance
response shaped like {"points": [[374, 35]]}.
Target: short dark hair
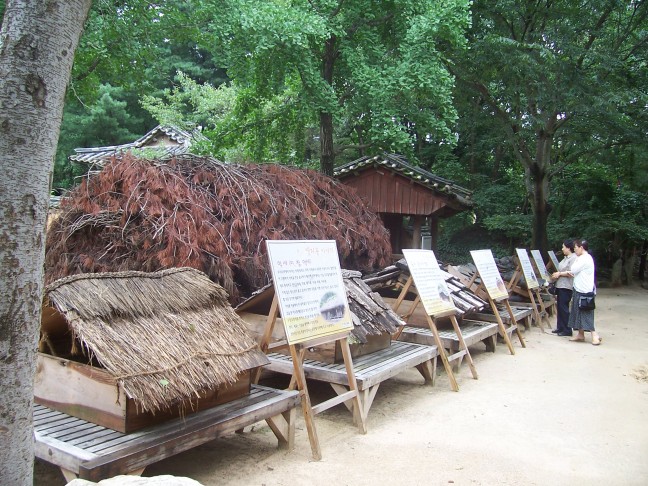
{"points": [[583, 244], [569, 244]]}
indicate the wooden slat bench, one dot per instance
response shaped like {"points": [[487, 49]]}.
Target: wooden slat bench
{"points": [[370, 370], [522, 316], [472, 331], [94, 452]]}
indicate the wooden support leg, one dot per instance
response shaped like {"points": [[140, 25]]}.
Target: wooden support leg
{"points": [[500, 325], [462, 345], [427, 371], [491, 343], [306, 404], [353, 386], [366, 397], [453, 381], [517, 330], [283, 427], [536, 312]]}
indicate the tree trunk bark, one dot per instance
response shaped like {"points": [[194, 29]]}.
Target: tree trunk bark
{"points": [[540, 213], [37, 44], [539, 193], [327, 153], [327, 150]]}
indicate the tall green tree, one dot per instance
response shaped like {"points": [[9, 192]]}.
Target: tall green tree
{"points": [[367, 73], [130, 49], [565, 80]]}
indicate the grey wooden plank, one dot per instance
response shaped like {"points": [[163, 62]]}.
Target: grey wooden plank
{"points": [[179, 423], [81, 426], [62, 424], [262, 403], [369, 369], [198, 429], [51, 422], [94, 438]]}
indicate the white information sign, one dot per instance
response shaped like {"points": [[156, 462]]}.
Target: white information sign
{"points": [[540, 265], [527, 268], [489, 273], [309, 285], [554, 260], [429, 281]]}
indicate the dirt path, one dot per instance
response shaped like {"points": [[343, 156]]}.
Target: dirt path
{"points": [[556, 413]]}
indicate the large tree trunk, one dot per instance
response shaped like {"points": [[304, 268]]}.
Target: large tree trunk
{"points": [[327, 153], [539, 169], [37, 45], [540, 212], [327, 156]]}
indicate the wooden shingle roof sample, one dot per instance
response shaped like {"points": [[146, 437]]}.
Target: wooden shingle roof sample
{"points": [[373, 319]]}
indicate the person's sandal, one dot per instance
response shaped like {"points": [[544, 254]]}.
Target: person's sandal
{"points": [[597, 341], [577, 339]]}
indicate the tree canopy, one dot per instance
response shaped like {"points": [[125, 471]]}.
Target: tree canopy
{"points": [[520, 101]]}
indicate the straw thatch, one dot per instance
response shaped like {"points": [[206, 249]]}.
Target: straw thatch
{"points": [[164, 336], [197, 212]]}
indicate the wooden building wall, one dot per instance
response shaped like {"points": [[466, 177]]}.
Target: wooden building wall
{"points": [[388, 192]]}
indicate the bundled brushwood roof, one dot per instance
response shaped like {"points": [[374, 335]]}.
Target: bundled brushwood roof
{"points": [[465, 300], [164, 336], [370, 314], [198, 212]]}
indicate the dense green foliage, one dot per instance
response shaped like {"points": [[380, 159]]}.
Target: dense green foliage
{"points": [[558, 83], [358, 75], [539, 107]]}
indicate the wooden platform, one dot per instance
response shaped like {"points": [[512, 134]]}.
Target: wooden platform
{"points": [[370, 370], [94, 452], [523, 316], [472, 331]]}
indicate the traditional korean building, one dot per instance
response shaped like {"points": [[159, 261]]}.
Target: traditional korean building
{"points": [[160, 142], [410, 200]]}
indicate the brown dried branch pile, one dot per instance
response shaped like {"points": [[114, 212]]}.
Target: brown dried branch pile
{"points": [[197, 212]]}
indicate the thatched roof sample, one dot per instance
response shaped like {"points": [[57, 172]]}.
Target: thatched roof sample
{"points": [[164, 336], [197, 212]]}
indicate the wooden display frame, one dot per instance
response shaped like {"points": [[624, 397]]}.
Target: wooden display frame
{"points": [[538, 307], [463, 351], [505, 331], [298, 379]]}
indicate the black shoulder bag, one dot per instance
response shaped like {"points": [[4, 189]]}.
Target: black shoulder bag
{"points": [[586, 301]]}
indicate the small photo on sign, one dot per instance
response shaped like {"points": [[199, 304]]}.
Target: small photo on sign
{"points": [[331, 307]]}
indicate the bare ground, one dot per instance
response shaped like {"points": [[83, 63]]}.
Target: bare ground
{"points": [[556, 413]]}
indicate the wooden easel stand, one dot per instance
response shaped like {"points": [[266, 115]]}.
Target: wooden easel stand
{"points": [[463, 348], [298, 380]]}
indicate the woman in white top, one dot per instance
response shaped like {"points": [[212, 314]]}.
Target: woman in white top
{"points": [[583, 272]]}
